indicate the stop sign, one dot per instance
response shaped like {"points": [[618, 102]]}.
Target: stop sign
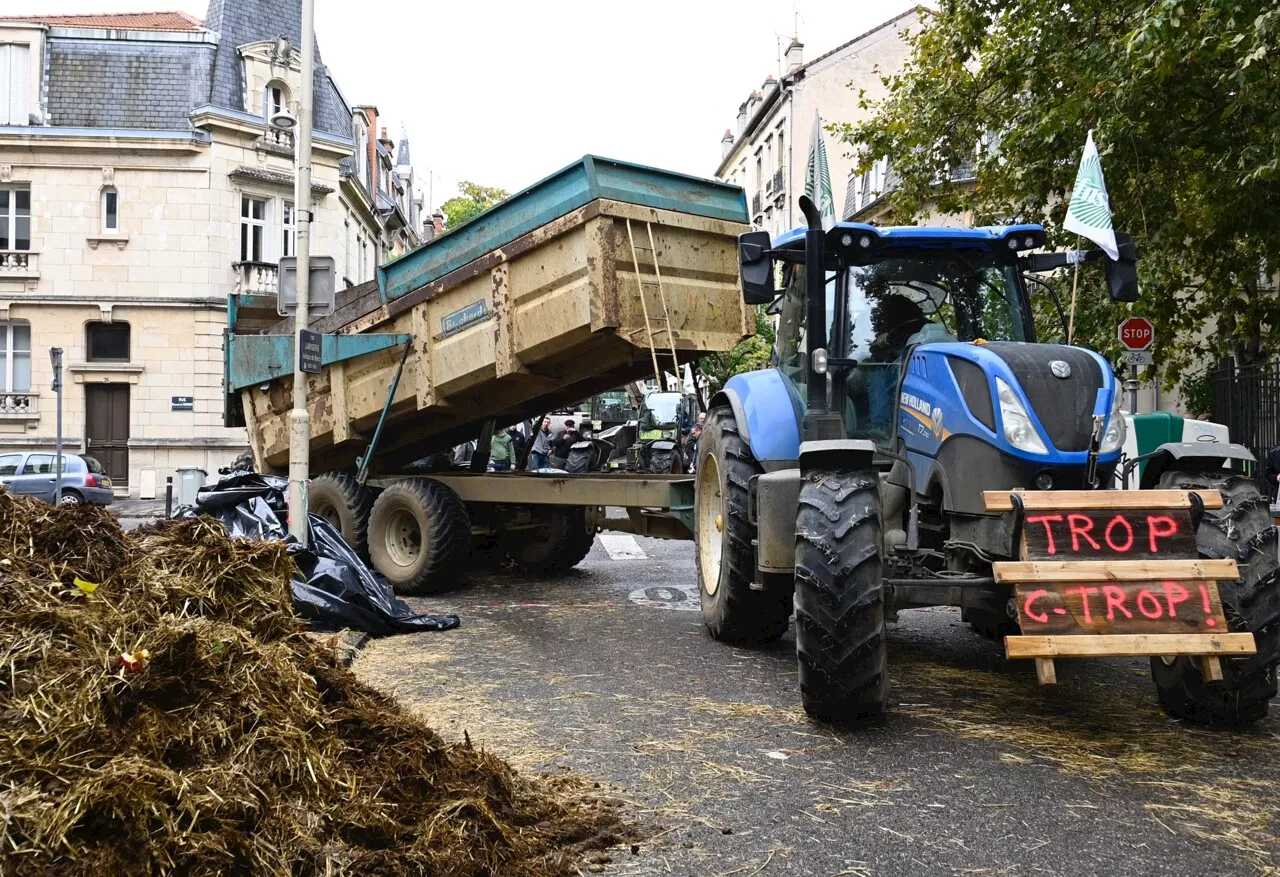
{"points": [[1137, 333]]}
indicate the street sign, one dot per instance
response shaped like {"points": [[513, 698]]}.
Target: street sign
{"points": [[1136, 333], [320, 295], [310, 360], [1137, 357], [182, 403]]}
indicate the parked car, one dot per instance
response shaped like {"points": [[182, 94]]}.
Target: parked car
{"points": [[30, 473]]}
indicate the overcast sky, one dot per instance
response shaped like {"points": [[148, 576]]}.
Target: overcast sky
{"points": [[505, 93]]}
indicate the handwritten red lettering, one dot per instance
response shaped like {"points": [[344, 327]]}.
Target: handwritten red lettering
{"points": [[1174, 594], [1160, 525], [1154, 609], [1085, 593], [1114, 546], [1042, 617], [1081, 526], [1209, 620], [1048, 531], [1115, 602]]}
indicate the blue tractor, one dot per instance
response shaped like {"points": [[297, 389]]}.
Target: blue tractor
{"points": [[846, 481]]}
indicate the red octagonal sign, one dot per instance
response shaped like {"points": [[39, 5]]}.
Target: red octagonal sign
{"points": [[1137, 333]]}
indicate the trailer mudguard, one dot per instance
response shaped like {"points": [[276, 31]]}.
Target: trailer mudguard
{"points": [[1181, 455], [768, 414]]}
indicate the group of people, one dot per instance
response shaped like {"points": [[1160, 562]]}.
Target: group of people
{"points": [[551, 446]]}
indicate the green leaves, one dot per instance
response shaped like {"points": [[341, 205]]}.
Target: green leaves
{"points": [[474, 200], [1184, 99]]}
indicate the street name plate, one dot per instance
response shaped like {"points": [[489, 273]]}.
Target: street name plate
{"points": [[312, 348], [182, 403]]}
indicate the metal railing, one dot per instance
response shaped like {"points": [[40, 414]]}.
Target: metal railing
{"points": [[256, 278], [18, 405], [1247, 401], [778, 182], [757, 203]]}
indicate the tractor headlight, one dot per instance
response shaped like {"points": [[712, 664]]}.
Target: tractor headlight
{"points": [[1018, 429], [1113, 438]]}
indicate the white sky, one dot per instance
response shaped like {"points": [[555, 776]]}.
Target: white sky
{"points": [[504, 93]]}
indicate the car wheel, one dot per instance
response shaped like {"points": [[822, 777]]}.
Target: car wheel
{"points": [[70, 497]]}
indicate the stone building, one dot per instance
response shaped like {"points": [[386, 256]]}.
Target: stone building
{"points": [[767, 154], [141, 183]]}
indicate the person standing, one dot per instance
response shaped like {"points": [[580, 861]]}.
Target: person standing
{"points": [[691, 447], [1273, 473], [539, 456], [501, 451], [561, 444]]}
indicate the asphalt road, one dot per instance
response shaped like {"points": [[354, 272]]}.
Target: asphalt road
{"points": [[609, 674]]}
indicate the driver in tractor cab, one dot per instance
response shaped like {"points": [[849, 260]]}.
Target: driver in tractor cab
{"points": [[873, 388]]}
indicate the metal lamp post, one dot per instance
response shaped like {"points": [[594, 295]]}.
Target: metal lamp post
{"points": [[299, 417], [55, 359]]}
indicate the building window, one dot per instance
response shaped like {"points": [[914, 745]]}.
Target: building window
{"points": [[107, 342], [781, 155], [15, 339], [15, 83], [15, 219], [289, 229], [362, 155], [275, 100], [110, 211], [346, 248], [253, 226]]}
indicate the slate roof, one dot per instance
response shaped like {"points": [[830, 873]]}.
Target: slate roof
{"points": [[402, 151], [126, 84], [164, 21], [248, 21]]}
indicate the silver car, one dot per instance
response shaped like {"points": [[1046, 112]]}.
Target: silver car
{"points": [[30, 473]]}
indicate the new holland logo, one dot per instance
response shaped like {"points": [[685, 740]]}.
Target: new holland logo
{"points": [[1060, 369], [936, 421]]}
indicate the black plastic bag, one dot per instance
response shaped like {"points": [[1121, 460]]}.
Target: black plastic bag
{"points": [[332, 587]]}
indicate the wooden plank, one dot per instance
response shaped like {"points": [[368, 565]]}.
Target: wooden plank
{"points": [[1125, 534], [1016, 571], [1085, 500], [1210, 668], [1045, 672], [1124, 608], [1129, 646]]}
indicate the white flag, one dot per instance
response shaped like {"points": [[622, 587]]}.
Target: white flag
{"points": [[817, 176], [1089, 213]]}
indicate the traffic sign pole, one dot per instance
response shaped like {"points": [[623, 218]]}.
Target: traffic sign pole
{"points": [[1137, 334]]}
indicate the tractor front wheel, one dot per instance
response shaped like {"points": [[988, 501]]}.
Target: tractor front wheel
{"points": [[1242, 530], [840, 627]]}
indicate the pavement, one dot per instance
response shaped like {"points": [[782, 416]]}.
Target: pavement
{"points": [[135, 512], [607, 673]]}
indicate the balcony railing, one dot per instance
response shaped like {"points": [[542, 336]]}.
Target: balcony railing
{"points": [[277, 140], [256, 278], [18, 263], [18, 405], [776, 183], [757, 203]]}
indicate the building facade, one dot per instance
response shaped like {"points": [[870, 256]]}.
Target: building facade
{"points": [[142, 181], [768, 153]]}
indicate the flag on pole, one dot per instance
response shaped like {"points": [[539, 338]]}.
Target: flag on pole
{"points": [[1089, 213], [817, 176]]}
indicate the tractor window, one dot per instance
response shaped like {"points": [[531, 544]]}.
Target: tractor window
{"points": [[792, 350]]}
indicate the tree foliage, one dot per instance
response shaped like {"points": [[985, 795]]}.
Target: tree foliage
{"points": [[750, 355], [1184, 101], [474, 200]]}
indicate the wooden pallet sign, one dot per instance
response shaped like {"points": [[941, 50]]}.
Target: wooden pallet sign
{"points": [[1115, 573]]}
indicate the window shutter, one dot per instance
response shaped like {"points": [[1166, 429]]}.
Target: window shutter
{"points": [[19, 78], [6, 53]]}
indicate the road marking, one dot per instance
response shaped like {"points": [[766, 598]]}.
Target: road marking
{"points": [[683, 598], [622, 546]]}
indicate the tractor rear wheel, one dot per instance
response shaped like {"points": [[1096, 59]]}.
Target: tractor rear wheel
{"points": [[419, 536], [557, 546], [665, 462], [1242, 530], [579, 460], [340, 500], [840, 628], [723, 537]]}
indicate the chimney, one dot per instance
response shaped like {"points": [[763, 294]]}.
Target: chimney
{"points": [[742, 116], [795, 55], [726, 143], [770, 85], [437, 220]]}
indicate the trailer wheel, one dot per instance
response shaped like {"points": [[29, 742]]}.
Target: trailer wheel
{"points": [[840, 631], [579, 461], [1244, 531], [723, 537], [556, 547], [340, 500], [419, 536]]}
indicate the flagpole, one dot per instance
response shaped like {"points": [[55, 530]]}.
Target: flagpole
{"points": [[1075, 285]]}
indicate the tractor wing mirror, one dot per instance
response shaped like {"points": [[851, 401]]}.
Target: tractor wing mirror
{"points": [[756, 267], [1122, 274]]}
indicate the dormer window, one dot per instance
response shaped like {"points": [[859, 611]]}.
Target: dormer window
{"points": [[15, 83], [275, 100]]}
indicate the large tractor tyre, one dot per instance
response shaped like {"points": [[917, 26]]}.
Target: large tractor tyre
{"points": [[419, 536], [556, 547], [341, 501], [664, 462], [579, 461], [1242, 530], [840, 628], [723, 538]]}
